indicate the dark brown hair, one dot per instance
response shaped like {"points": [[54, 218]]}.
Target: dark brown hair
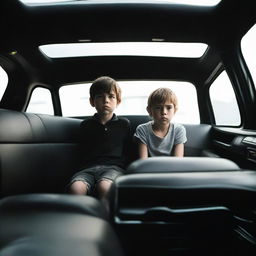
{"points": [[105, 84]]}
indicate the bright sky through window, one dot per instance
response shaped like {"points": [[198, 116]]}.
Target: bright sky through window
{"points": [[187, 2], [161, 49]]}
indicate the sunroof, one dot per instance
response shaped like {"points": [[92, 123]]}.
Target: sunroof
{"points": [[187, 2], [160, 49]]}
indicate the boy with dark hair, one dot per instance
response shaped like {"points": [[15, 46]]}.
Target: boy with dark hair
{"points": [[104, 139]]}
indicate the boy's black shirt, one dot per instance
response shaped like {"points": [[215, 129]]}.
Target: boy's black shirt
{"points": [[105, 144]]}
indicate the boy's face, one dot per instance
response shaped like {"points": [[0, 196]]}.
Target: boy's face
{"points": [[105, 103], [162, 113]]}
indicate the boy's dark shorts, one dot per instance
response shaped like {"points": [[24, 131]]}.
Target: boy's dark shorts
{"points": [[92, 175]]}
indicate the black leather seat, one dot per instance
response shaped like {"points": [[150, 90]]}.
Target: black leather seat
{"points": [[191, 204], [165, 164], [40, 153], [55, 225]]}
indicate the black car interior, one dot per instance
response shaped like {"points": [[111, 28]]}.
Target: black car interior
{"points": [[51, 224], [196, 204], [43, 153], [202, 204]]}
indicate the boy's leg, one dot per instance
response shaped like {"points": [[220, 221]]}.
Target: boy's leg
{"points": [[103, 187], [82, 182], [105, 178], [78, 188]]}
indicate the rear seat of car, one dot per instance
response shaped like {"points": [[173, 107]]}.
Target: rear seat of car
{"points": [[39, 153]]}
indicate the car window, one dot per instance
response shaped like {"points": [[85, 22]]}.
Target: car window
{"points": [[249, 52], [188, 2], [224, 103], [155, 48], [40, 102], [3, 81], [75, 99]]}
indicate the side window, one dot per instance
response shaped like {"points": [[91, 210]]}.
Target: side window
{"points": [[3, 81], [40, 102], [223, 100], [75, 99], [248, 43]]}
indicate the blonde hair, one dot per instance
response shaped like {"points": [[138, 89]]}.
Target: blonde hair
{"points": [[160, 96]]}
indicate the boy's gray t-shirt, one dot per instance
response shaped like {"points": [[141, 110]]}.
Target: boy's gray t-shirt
{"points": [[160, 146]]}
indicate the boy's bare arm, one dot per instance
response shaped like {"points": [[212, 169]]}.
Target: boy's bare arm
{"points": [[143, 150], [178, 150]]}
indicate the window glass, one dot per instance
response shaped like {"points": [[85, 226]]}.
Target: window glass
{"points": [[75, 99], [40, 102], [155, 48], [188, 2], [3, 81], [249, 52], [225, 107]]}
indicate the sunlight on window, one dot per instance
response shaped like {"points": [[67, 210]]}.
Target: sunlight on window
{"points": [[161, 49], [41, 102], [3, 81], [224, 103], [42, 1], [187, 2], [193, 2], [75, 99], [248, 49]]}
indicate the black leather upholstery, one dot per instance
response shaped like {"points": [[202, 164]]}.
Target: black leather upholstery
{"points": [[54, 202], [185, 204], [233, 189], [39, 153], [55, 225], [185, 182], [21, 127], [176, 164]]}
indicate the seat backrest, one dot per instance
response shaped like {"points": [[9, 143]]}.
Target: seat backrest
{"points": [[39, 153], [199, 142]]}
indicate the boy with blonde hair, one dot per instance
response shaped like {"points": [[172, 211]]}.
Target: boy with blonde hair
{"points": [[161, 137], [104, 140]]}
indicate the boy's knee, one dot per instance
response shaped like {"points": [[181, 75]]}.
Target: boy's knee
{"points": [[103, 187], [105, 184], [78, 188]]}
